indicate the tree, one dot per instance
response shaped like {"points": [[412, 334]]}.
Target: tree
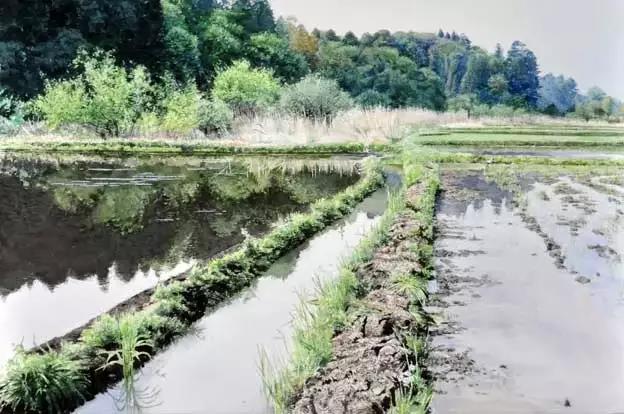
{"points": [[557, 91], [478, 73], [221, 40], [440, 34], [330, 36], [464, 102], [270, 51], [449, 60], [315, 98], [303, 42], [350, 39], [105, 96], [522, 74], [498, 86], [42, 37], [498, 52], [181, 45], [245, 89], [254, 15]]}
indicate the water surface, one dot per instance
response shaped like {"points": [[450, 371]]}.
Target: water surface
{"points": [[216, 370], [80, 235], [530, 293]]}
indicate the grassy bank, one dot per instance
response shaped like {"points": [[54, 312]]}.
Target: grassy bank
{"points": [[56, 380], [340, 302], [165, 147], [507, 137]]}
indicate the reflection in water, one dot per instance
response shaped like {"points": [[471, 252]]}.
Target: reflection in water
{"points": [[217, 371], [80, 236]]}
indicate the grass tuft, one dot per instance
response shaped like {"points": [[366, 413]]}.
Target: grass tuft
{"points": [[42, 383]]}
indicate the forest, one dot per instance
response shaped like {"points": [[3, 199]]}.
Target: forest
{"points": [[131, 66]]}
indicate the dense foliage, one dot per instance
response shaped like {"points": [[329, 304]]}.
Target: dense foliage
{"points": [[315, 98], [195, 44]]}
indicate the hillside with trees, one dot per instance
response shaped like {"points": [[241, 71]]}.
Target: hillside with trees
{"points": [[174, 52]]}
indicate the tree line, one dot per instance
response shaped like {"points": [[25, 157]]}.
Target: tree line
{"points": [[192, 41]]}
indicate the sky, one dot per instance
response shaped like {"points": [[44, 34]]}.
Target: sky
{"points": [[583, 39]]}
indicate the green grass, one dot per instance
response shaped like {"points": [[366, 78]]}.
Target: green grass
{"points": [[43, 383], [315, 323], [526, 138], [431, 154], [137, 147]]}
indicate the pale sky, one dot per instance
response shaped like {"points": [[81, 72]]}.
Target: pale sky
{"points": [[583, 39]]}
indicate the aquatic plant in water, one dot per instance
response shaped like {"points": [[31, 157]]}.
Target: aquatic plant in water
{"points": [[132, 350]]}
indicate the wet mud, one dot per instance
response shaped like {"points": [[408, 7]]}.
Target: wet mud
{"points": [[532, 321], [370, 363]]}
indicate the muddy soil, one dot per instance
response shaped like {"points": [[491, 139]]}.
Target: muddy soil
{"points": [[370, 363], [532, 321]]}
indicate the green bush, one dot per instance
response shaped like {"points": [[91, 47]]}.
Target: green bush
{"points": [[181, 110], [315, 98], [62, 103], [501, 111], [245, 89], [105, 96], [373, 99], [42, 383], [215, 116], [11, 114]]}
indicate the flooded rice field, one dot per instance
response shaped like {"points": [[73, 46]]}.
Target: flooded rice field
{"points": [[80, 235], [216, 369], [571, 154], [530, 291]]}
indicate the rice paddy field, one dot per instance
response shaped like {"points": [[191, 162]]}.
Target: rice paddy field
{"points": [[457, 270]]}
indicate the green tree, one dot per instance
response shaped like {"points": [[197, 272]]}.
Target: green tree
{"points": [[478, 73], [271, 51], [105, 96], [315, 98], [254, 15], [465, 102], [557, 91], [40, 39], [221, 40], [522, 74], [245, 89], [182, 46]]}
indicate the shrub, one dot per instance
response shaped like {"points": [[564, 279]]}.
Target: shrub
{"points": [[245, 89], [11, 114], [62, 103], [373, 99], [181, 110], [105, 96], [315, 98], [42, 383], [215, 116]]}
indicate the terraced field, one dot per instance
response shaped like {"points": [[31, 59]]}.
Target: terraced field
{"points": [[456, 271]]}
